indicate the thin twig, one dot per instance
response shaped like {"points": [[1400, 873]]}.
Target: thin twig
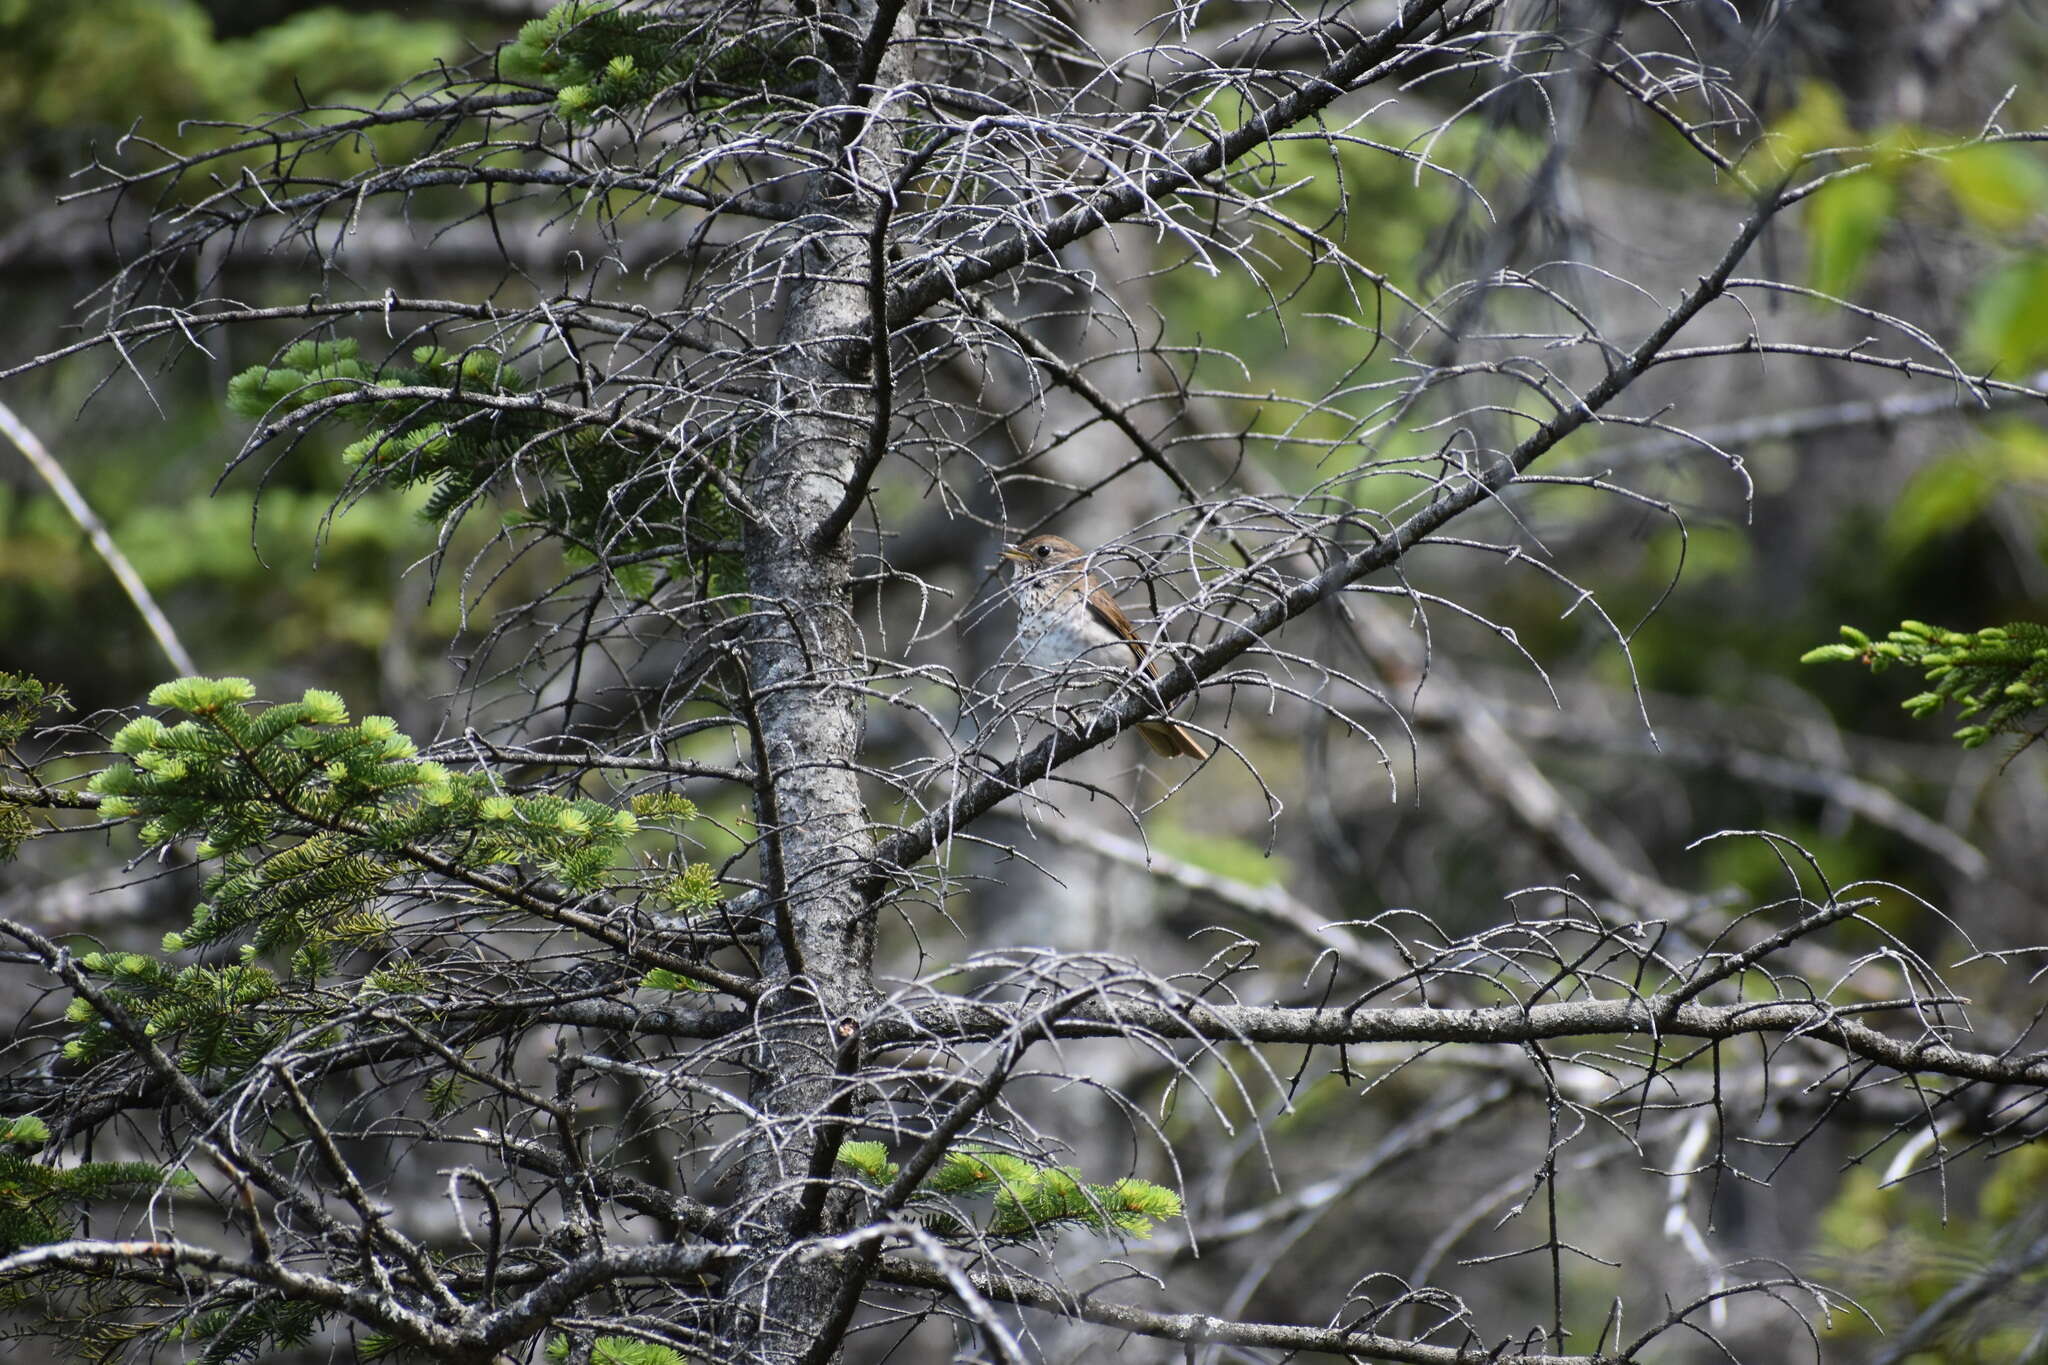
{"points": [[52, 473]]}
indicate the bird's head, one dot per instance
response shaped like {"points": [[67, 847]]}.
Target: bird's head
{"points": [[1042, 552]]}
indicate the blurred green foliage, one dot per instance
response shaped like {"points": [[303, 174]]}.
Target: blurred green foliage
{"points": [[1896, 173], [1303, 327], [1945, 496], [1900, 1247], [609, 497], [2009, 317], [322, 585], [1844, 224], [1240, 860], [90, 72], [112, 62]]}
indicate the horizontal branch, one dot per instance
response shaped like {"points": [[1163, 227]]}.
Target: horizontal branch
{"points": [[277, 139], [471, 746], [1827, 418], [535, 1309], [1664, 1015], [385, 1311], [72, 240], [457, 1020], [517, 1320], [187, 321], [1648, 1016], [46, 798], [1200, 1328], [201, 222]]}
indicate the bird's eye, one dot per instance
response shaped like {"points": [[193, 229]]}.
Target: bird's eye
{"points": [[1044, 550]]}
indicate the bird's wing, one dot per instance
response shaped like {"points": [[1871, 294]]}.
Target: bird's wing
{"points": [[1103, 608]]}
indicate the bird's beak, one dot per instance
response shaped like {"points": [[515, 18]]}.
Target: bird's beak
{"points": [[1015, 554]]}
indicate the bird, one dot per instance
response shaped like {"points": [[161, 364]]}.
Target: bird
{"points": [[1065, 613]]}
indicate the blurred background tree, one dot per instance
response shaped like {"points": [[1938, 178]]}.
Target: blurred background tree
{"points": [[1772, 498], [87, 76]]}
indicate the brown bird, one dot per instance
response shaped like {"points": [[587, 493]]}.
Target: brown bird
{"points": [[1065, 613]]}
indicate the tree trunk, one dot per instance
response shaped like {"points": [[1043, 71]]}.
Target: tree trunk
{"points": [[803, 675]]}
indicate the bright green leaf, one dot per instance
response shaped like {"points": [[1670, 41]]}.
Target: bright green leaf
{"points": [[1844, 223], [1998, 186], [2008, 317]]}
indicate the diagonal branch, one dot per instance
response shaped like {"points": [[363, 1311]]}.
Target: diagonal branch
{"points": [[52, 473], [911, 845], [1357, 65]]}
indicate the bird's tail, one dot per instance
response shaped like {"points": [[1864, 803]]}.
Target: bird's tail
{"points": [[1171, 741]]}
